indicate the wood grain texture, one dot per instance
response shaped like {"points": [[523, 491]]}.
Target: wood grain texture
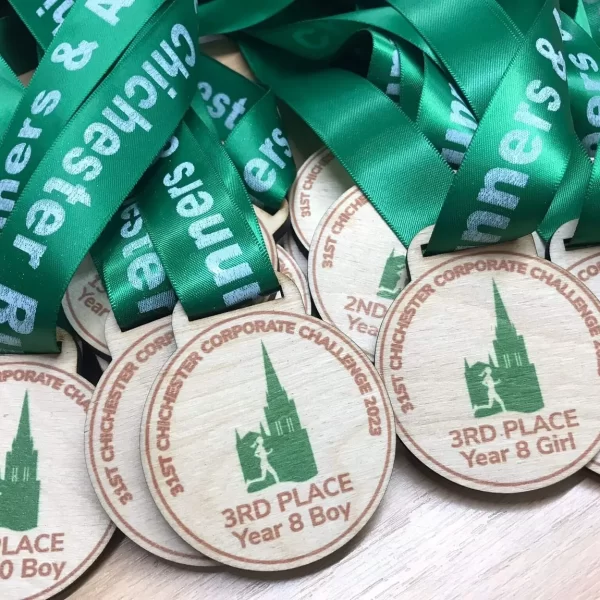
{"points": [[490, 362], [52, 526], [112, 439], [429, 540], [241, 455], [356, 267], [583, 263], [320, 182]]}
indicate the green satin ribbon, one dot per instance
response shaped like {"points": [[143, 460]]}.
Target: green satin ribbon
{"points": [[268, 176], [43, 18], [165, 233], [195, 206], [319, 39], [519, 154], [255, 143], [61, 84], [566, 199], [592, 9], [198, 229], [416, 83], [398, 94], [512, 66], [17, 46], [363, 128], [247, 121], [224, 16], [134, 278], [252, 115], [582, 56], [91, 166]]}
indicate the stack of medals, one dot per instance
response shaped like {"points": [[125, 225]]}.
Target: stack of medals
{"points": [[261, 335]]}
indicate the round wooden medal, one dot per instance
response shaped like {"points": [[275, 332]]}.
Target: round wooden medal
{"points": [[490, 362], [112, 439], [52, 527], [268, 438], [584, 264], [356, 267], [289, 267], [86, 305], [320, 182]]}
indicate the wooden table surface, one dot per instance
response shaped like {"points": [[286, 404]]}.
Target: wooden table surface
{"points": [[429, 539]]}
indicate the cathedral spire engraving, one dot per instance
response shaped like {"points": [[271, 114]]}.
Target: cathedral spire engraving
{"points": [[281, 451], [20, 488], [510, 382]]}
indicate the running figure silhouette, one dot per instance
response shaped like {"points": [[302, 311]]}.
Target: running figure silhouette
{"points": [[489, 382], [265, 466]]}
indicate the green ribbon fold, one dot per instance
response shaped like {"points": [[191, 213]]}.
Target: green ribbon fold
{"points": [[92, 165]]}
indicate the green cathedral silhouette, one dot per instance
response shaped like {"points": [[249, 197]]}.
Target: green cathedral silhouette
{"points": [[509, 383], [392, 278], [20, 489], [283, 451]]}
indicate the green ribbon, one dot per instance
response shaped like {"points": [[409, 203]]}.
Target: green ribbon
{"points": [[416, 83], [513, 63], [43, 18], [170, 227], [210, 222], [91, 167], [397, 93], [247, 121], [63, 81], [134, 278], [17, 46], [592, 9], [583, 63], [363, 127], [519, 154], [223, 16]]}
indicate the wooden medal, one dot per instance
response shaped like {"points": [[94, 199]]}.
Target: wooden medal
{"points": [[356, 267], [582, 263], [112, 439], [52, 527], [289, 267], [86, 305], [298, 254], [490, 362], [320, 182], [267, 438]]}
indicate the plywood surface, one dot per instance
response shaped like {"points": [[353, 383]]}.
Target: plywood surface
{"points": [[429, 539]]}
